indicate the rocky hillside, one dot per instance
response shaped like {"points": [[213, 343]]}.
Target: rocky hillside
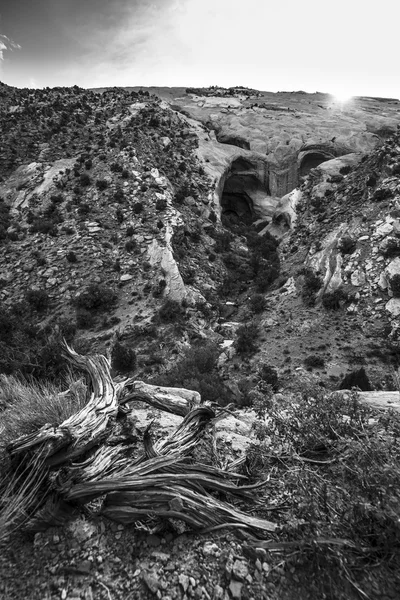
{"points": [[130, 221]]}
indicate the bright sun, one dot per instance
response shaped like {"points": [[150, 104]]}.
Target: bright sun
{"points": [[342, 96]]}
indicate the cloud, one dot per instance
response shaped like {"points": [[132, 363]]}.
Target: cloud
{"points": [[7, 44]]}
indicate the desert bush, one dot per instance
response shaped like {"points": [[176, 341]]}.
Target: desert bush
{"points": [[45, 226], [258, 303], [333, 300], [38, 299], [313, 361], [345, 169], [347, 244], [222, 241], [123, 357], [246, 340], [358, 379], [85, 319], [267, 272], [96, 297], [171, 311], [395, 285], [196, 370], [161, 204], [84, 209], [119, 195], [101, 184], [84, 179], [130, 245], [269, 375], [382, 194], [311, 285], [137, 207], [71, 257]]}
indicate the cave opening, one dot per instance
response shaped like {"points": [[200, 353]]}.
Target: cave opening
{"points": [[242, 191], [312, 160]]}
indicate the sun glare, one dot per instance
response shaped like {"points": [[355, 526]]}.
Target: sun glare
{"points": [[342, 96]]}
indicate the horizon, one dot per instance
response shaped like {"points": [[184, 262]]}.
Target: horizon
{"points": [[349, 50]]}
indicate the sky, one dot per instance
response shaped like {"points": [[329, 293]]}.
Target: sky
{"points": [[343, 47]]}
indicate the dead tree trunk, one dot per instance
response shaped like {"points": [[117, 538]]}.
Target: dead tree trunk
{"points": [[155, 479]]}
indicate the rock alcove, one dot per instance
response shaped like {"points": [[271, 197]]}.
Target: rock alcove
{"points": [[244, 190], [312, 160]]}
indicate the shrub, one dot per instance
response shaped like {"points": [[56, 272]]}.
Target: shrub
{"points": [[161, 204], [101, 184], [314, 361], [96, 297], [84, 179], [71, 257], [246, 338], [130, 245], [84, 318], [347, 244], [382, 194], [357, 379], [345, 169], [138, 207], [119, 195], [45, 226], [266, 275], [125, 174], [123, 357], [171, 311], [395, 285], [196, 370], [269, 375], [258, 303], [38, 299], [333, 300], [311, 285], [84, 209]]}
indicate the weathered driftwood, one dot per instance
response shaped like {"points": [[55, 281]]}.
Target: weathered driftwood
{"points": [[154, 480], [173, 501], [174, 400], [381, 400]]}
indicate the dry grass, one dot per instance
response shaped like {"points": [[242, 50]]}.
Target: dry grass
{"points": [[25, 407]]}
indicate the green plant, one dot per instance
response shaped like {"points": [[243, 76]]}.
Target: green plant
{"points": [[96, 297], [38, 299], [161, 204], [101, 184], [395, 285], [196, 370], [269, 375], [246, 340], [313, 361], [71, 257], [84, 179], [311, 285], [123, 357], [333, 300], [258, 303], [171, 311]]}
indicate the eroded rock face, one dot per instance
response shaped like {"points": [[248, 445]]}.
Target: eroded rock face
{"points": [[289, 133]]}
